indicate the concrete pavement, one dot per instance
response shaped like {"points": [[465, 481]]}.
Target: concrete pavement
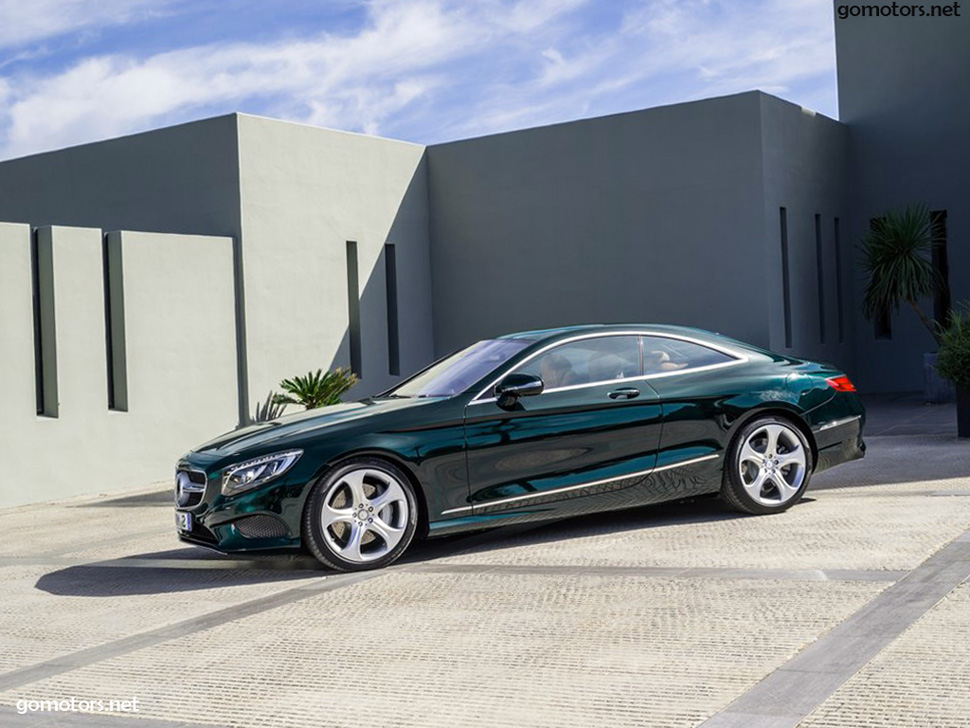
{"points": [[850, 609]]}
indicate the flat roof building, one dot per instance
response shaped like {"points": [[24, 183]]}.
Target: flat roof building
{"points": [[278, 248]]}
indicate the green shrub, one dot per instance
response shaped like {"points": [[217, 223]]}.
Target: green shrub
{"points": [[953, 360], [316, 389], [896, 257], [270, 409]]}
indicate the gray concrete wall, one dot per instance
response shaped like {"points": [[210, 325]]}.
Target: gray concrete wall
{"points": [[181, 179], [902, 91], [306, 191], [288, 196], [177, 337], [805, 171], [665, 215]]}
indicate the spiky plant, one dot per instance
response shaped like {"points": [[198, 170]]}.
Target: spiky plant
{"points": [[316, 389], [953, 361], [268, 410], [895, 255]]}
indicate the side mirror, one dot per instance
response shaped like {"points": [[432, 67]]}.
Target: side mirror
{"points": [[514, 386]]}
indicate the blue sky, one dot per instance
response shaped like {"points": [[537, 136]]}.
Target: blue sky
{"points": [[73, 71]]}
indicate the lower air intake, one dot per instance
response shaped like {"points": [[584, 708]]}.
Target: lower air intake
{"points": [[261, 527]]}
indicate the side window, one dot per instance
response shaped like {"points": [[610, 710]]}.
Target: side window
{"points": [[587, 361], [661, 355]]}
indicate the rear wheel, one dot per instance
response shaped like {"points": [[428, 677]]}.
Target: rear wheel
{"points": [[361, 515], [768, 467]]}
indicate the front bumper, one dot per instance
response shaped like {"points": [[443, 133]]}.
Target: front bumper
{"points": [[268, 518]]}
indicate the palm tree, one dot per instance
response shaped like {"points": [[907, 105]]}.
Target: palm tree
{"points": [[316, 389], [896, 256]]}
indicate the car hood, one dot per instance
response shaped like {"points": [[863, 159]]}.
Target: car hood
{"points": [[284, 431]]}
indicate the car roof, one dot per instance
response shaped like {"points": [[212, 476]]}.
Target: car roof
{"points": [[566, 331]]}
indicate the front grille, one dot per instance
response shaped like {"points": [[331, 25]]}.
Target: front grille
{"points": [[261, 527], [189, 487]]}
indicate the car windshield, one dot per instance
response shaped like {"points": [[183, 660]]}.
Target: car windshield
{"points": [[458, 372]]}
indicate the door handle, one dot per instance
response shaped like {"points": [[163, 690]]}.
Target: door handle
{"points": [[624, 393]]}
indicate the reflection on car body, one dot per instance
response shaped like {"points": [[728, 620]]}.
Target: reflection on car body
{"points": [[525, 427]]}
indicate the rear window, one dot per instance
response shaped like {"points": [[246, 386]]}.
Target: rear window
{"points": [[662, 355]]}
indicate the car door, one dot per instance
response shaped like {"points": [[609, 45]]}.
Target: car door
{"points": [[593, 432], [696, 382]]}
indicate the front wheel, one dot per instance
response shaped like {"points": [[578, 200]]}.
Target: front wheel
{"points": [[361, 515], [768, 467]]}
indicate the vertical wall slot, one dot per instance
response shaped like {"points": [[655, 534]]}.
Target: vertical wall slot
{"points": [[941, 266], [242, 357], [115, 313], [785, 276], [393, 342], [838, 281], [108, 348], [45, 326], [883, 323], [353, 306], [820, 277]]}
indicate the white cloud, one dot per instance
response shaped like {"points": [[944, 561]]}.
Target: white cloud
{"points": [[434, 69], [770, 43], [27, 21], [348, 81], [674, 50]]}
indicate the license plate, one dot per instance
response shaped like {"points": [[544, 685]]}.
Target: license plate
{"points": [[183, 521]]}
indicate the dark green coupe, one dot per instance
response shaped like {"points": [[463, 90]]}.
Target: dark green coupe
{"points": [[525, 427]]}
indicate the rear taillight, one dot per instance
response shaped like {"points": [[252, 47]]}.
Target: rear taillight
{"points": [[841, 384]]}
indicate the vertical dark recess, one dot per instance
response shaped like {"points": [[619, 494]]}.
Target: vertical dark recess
{"points": [[883, 323], [115, 312], [838, 280], [108, 346], [820, 277], [38, 347], [242, 356], [941, 266], [47, 315], [353, 306], [393, 343], [785, 277]]}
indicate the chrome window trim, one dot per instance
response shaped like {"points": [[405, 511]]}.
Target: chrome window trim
{"points": [[737, 358], [568, 488]]}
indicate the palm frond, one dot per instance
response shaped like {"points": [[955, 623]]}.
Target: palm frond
{"points": [[896, 256], [316, 389], [270, 409]]}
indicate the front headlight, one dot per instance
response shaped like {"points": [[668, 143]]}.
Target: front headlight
{"points": [[243, 476]]}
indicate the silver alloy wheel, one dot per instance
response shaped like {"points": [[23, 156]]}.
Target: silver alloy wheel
{"points": [[772, 464], [364, 514]]}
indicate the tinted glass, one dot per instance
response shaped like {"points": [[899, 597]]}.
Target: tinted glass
{"points": [[462, 369], [662, 355], [587, 361]]}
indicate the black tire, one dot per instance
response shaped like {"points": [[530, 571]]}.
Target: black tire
{"points": [[324, 541], [739, 482]]}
